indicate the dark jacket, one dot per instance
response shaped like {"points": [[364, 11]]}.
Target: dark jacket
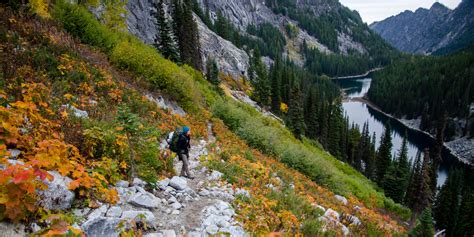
{"points": [[183, 144]]}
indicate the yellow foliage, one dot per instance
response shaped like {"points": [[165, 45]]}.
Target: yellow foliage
{"points": [[40, 7], [283, 107]]}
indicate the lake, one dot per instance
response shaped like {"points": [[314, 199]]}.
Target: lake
{"points": [[359, 113]]}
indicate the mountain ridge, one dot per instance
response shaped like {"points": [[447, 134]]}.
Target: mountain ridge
{"points": [[429, 31]]}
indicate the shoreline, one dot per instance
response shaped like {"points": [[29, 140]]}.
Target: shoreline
{"points": [[369, 103], [358, 76]]}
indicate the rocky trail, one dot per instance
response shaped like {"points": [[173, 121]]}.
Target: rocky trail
{"points": [[175, 207]]}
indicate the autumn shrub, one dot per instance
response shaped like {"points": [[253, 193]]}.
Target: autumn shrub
{"points": [[321, 167], [129, 53]]}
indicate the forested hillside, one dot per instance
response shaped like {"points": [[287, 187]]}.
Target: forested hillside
{"points": [[432, 87]]}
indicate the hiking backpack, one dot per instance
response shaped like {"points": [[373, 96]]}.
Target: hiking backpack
{"points": [[173, 138]]}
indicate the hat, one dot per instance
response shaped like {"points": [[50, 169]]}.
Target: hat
{"points": [[186, 129]]}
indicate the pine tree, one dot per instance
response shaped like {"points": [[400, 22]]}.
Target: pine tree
{"points": [[212, 71], [275, 88], [396, 180], [311, 115], [295, 113], [384, 154], [165, 43], [324, 125], [422, 186], [335, 130], [424, 227], [259, 77], [437, 155], [222, 26], [466, 215], [186, 31], [448, 202]]}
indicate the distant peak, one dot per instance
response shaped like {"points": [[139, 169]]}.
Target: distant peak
{"points": [[438, 6]]}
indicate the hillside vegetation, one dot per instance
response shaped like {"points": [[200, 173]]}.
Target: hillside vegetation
{"points": [[48, 76]]}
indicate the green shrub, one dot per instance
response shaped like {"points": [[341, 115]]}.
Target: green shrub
{"points": [[312, 227], [271, 138]]}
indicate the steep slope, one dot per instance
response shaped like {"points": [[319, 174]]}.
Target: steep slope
{"points": [[426, 31], [90, 115]]}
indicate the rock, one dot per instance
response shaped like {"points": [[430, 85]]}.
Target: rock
{"points": [[14, 153], [163, 183], [228, 212], [354, 220], [146, 200], [98, 212], [12, 230], [81, 212], [319, 207], [330, 213], [345, 230], [178, 183], [139, 182], [114, 211], [221, 205], [57, 196], [175, 212], [223, 223], [172, 199], [154, 235], [35, 227], [234, 231], [76, 112], [147, 216], [215, 175], [242, 192], [168, 233], [176, 205], [342, 199], [204, 192], [122, 184], [231, 60], [212, 229], [194, 234], [101, 226]]}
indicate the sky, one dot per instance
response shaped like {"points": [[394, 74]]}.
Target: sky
{"points": [[377, 10]]}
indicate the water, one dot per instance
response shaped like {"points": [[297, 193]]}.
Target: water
{"points": [[359, 113]]}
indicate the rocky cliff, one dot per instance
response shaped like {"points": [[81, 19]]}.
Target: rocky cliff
{"points": [[232, 60], [426, 31]]}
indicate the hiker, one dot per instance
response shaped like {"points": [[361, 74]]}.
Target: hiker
{"points": [[183, 147]]}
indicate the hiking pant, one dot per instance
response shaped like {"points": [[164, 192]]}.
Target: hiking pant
{"points": [[185, 169]]}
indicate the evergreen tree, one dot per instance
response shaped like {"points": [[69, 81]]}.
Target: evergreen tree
{"points": [[437, 155], [275, 75], [311, 115], [295, 112], [466, 215], [212, 71], [421, 190], [186, 31], [165, 43], [424, 227], [384, 156], [396, 180], [222, 26], [335, 128], [259, 77], [415, 179], [448, 202]]}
